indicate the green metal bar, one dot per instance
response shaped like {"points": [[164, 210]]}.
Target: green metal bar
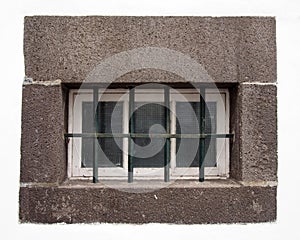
{"points": [[131, 130], [97, 135], [202, 129], [167, 126], [146, 135], [96, 144]]}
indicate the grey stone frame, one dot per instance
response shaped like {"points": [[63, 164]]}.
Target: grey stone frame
{"points": [[239, 53]]}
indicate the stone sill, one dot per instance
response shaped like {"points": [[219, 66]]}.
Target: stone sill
{"points": [[182, 202], [155, 184]]}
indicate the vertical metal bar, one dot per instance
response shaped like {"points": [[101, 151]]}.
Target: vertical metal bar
{"points": [[202, 130], [167, 126], [96, 144], [131, 130]]}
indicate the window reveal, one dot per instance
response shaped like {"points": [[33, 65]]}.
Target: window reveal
{"points": [[147, 115]]}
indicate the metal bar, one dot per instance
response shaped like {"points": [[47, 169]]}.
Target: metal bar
{"points": [[167, 126], [216, 135], [147, 135], [97, 135], [202, 129], [131, 130], [96, 144]]}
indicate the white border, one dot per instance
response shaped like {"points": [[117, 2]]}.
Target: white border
{"points": [[288, 49]]}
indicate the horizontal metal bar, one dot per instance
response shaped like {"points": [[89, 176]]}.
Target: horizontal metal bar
{"points": [[97, 135], [146, 135]]}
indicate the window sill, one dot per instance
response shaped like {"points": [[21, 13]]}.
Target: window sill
{"points": [[157, 184], [181, 202]]}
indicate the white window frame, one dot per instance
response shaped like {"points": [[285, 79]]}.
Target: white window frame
{"points": [[220, 96]]}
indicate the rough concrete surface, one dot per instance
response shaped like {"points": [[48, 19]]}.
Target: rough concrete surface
{"points": [[42, 143], [258, 132], [235, 128], [231, 49], [238, 53], [169, 205]]}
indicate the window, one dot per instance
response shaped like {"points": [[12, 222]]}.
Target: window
{"points": [[148, 161]]}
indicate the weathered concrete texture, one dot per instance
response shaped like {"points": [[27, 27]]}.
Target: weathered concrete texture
{"points": [[150, 76], [234, 51], [258, 132], [235, 127], [230, 49], [169, 205], [43, 156], [257, 50]]}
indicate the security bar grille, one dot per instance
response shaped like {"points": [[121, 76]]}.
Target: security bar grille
{"points": [[98, 137]]}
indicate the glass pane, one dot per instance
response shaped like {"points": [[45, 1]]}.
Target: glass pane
{"points": [[111, 154], [188, 125], [149, 118]]}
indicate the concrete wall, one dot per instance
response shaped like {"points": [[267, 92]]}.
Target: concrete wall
{"points": [[212, 202], [239, 53], [230, 49]]}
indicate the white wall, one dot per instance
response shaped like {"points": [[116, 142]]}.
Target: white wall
{"points": [[12, 72]]}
